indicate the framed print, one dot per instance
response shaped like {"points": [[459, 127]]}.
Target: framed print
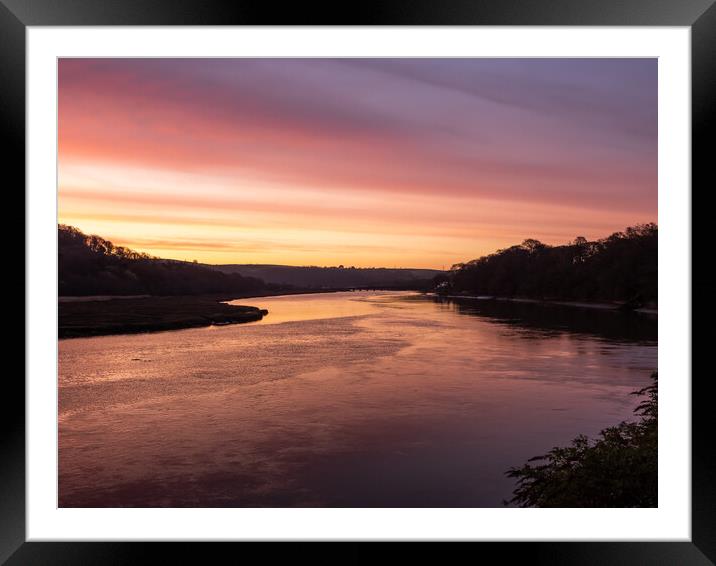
{"points": [[424, 274]]}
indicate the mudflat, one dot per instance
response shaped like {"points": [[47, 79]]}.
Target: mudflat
{"points": [[149, 314]]}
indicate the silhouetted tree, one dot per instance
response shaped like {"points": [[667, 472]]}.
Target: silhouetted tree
{"points": [[91, 265], [621, 267]]}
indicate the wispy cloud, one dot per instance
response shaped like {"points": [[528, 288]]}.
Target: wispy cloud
{"points": [[481, 149]]}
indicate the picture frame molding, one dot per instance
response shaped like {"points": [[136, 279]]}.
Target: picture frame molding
{"points": [[699, 15]]}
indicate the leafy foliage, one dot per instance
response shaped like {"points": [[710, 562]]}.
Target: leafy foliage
{"points": [[90, 265], [622, 267], [619, 469]]}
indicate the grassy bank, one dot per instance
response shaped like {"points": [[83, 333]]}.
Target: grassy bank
{"points": [[149, 314], [102, 315]]}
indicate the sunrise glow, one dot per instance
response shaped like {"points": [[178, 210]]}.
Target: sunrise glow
{"points": [[365, 162]]}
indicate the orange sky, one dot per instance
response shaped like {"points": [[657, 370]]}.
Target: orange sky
{"points": [[382, 162]]}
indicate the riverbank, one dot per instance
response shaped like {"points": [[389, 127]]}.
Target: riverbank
{"points": [[102, 315], [579, 304], [149, 314]]}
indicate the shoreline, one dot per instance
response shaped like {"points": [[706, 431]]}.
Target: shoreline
{"points": [[318, 292], [222, 296], [84, 319], [80, 317], [105, 315], [577, 304]]}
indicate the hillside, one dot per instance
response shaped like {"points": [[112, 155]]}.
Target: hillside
{"points": [[90, 265], [619, 268], [335, 277]]}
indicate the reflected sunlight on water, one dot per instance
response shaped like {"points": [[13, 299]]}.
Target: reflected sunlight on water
{"points": [[343, 399], [311, 306]]}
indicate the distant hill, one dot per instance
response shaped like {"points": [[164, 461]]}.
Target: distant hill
{"points": [[91, 265], [335, 277]]}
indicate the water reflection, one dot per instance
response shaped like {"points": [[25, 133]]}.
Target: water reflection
{"points": [[552, 319], [396, 400], [309, 306]]}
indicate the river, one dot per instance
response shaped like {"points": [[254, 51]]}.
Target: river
{"points": [[363, 399]]}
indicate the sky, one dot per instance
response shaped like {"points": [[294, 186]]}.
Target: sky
{"points": [[367, 162]]}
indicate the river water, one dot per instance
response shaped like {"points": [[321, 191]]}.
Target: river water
{"points": [[363, 399]]}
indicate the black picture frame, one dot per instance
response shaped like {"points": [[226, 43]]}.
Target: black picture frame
{"points": [[699, 15]]}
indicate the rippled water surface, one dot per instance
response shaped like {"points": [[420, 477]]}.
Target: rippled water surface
{"points": [[346, 399]]}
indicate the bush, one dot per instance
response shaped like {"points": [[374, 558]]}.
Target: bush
{"points": [[619, 469]]}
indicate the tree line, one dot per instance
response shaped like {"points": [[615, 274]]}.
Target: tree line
{"points": [[91, 265], [313, 277], [621, 267]]}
